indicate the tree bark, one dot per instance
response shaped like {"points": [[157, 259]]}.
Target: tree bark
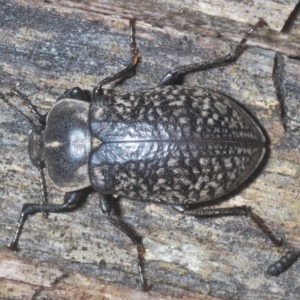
{"points": [[49, 46]]}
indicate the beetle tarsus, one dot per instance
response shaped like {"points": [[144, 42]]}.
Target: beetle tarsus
{"points": [[133, 47], [14, 243], [136, 241], [264, 228], [141, 252]]}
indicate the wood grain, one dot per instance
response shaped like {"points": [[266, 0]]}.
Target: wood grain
{"points": [[49, 46]]}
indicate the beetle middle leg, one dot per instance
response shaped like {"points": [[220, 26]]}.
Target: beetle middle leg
{"points": [[127, 71], [70, 201], [106, 208], [172, 76]]}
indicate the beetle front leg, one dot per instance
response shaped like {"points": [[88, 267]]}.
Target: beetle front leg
{"points": [[126, 72], [70, 201], [106, 208], [172, 76]]}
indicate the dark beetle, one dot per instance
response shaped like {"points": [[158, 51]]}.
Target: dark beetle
{"points": [[175, 145]]}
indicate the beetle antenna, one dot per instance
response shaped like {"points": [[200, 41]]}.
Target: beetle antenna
{"points": [[28, 120], [33, 109]]}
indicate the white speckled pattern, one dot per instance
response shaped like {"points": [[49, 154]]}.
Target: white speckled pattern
{"points": [[175, 144]]}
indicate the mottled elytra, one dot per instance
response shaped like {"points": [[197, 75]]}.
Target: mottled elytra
{"points": [[174, 145]]}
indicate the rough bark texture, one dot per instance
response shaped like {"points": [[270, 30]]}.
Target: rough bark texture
{"points": [[49, 46]]}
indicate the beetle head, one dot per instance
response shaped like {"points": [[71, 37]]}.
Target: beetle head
{"points": [[36, 145], [36, 134]]}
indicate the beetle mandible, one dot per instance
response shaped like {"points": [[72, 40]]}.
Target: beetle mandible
{"points": [[179, 146]]}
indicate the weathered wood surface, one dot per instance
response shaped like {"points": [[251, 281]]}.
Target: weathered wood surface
{"points": [[49, 46]]}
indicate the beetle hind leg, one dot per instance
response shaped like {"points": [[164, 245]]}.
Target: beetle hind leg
{"points": [[276, 268], [106, 208], [70, 201], [229, 211]]}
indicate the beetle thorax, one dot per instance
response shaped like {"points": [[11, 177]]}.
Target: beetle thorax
{"points": [[68, 145]]}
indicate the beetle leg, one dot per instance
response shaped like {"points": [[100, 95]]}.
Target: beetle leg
{"points": [[70, 201], [172, 76], [229, 211], [126, 72], [106, 208], [273, 270]]}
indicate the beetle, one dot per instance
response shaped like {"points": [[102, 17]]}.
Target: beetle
{"points": [[180, 146]]}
